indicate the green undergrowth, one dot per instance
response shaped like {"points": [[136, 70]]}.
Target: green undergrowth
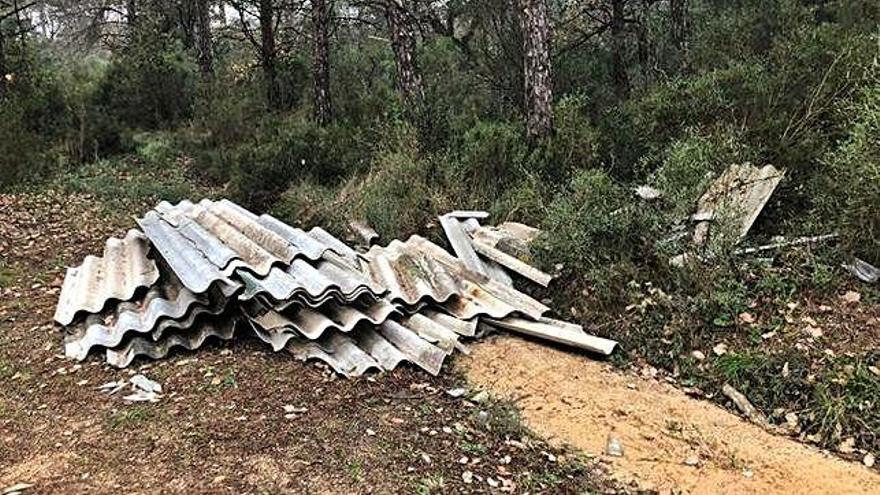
{"points": [[155, 170], [746, 325]]}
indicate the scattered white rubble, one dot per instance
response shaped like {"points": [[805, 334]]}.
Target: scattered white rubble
{"points": [[863, 270], [17, 488], [480, 397], [456, 392], [743, 404], [145, 390], [467, 477], [613, 446], [145, 384], [648, 193]]}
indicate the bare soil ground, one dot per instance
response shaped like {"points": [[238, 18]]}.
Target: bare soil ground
{"points": [[672, 443], [221, 428]]}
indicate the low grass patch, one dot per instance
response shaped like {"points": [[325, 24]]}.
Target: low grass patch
{"points": [[7, 274], [129, 418]]}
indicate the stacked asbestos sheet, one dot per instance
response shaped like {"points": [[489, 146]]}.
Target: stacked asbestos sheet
{"points": [[204, 270]]}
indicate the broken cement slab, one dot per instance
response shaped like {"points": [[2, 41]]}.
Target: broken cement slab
{"points": [[863, 270], [733, 202]]}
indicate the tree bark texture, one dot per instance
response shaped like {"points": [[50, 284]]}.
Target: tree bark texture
{"points": [[321, 61], [618, 48], [205, 39], [268, 52], [131, 12], [679, 20], [3, 69], [537, 68], [403, 43]]}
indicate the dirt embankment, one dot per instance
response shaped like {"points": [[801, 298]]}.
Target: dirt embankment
{"points": [[672, 443]]}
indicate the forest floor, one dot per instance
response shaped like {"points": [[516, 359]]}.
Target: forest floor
{"points": [[222, 426]]}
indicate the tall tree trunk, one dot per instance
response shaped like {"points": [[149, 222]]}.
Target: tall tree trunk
{"points": [[131, 12], [206, 41], [537, 69], [3, 68], [403, 43], [268, 53], [618, 48], [321, 61], [679, 21]]}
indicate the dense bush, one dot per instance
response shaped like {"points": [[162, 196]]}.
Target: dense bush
{"points": [[847, 188], [594, 223], [150, 84]]}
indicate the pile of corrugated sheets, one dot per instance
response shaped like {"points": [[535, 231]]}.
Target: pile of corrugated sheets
{"points": [[199, 271]]}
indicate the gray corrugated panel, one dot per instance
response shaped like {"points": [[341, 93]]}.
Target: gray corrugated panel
{"points": [[195, 313], [222, 328], [313, 245], [466, 328], [461, 242], [225, 235], [313, 322], [557, 331], [362, 229], [302, 278], [338, 351], [510, 237], [333, 243], [168, 300], [466, 214], [512, 263], [416, 349], [278, 339], [408, 274], [369, 349], [304, 301], [418, 269], [195, 271], [123, 268], [431, 331], [383, 347], [232, 237]]}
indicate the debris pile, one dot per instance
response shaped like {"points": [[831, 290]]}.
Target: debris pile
{"points": [[196, 271]]}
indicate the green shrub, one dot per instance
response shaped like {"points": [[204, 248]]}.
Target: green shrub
{"points": [[846, 190], [396, 197], [20, 155], [594, 224], [150, 83], [688, 165], [491, 158], [281, 152], [307, 204]]}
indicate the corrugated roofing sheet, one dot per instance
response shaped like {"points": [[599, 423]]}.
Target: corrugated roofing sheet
{"points": [[124, 268], [419, 270], [312, 323], [314, 280], [222, 328], [308, 292], [382, 348]]}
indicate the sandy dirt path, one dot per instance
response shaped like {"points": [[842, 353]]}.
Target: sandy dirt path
{"points": [[569, 398]]}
